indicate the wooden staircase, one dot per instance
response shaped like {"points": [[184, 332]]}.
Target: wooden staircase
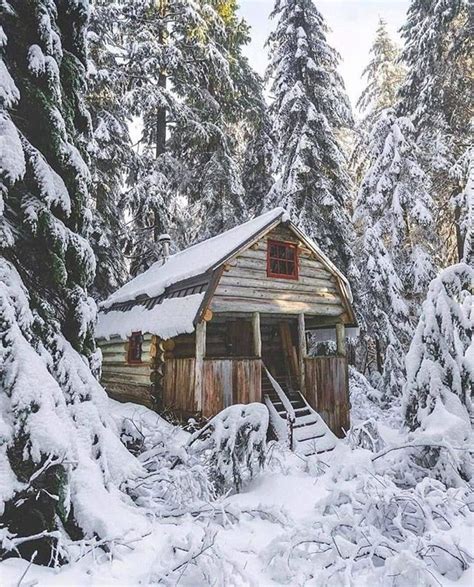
{"points": [[293, 418]]}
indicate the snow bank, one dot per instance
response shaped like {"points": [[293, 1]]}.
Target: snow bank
{"points": [[172, 317], [192, 261]]}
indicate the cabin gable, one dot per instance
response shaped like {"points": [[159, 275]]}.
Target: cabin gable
{"points": [[247, 282]]}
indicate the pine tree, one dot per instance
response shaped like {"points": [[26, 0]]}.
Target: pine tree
{"points": [[309, 109], [57, 445], [393, 219], [188, 82], [436, 93], [439, 363], [384, 75], [110, 150], [258, 157]]}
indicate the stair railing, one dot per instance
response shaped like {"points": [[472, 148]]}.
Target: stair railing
{"points": [[290, 412]]}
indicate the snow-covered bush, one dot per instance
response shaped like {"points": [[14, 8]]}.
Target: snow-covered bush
{"points": [[366, 435], [369, 527], [232, 445]]}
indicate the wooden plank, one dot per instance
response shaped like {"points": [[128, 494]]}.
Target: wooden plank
{"points": [[327, 390], [178, 385], [265, 293], [117, 381], [200, 353], [305, 274], [306, 284], [257, 335], [213, 384], [247, 381], [235, 304]]}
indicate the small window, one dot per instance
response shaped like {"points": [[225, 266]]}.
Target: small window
{"points": [[282, 260], [135, 347]]}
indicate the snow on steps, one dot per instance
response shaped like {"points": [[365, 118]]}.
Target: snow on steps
{"points": [[311, 435]]}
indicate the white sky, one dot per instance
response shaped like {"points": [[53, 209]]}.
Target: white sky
{"points": [[353, 24]]}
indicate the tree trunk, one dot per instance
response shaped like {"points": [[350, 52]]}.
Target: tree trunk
{"points": [[378, 352]]}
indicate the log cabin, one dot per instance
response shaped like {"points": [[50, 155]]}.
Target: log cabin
{"points": [[227, 321]]}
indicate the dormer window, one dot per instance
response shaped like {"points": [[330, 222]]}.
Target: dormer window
{"points": [[135, 347], [282, 260]]}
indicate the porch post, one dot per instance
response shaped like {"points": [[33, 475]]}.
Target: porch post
{"points": [[341, 339], [302, 351], [200, 354], [257, 336]]}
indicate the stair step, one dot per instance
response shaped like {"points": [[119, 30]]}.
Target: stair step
{"points": [[299, 424]]}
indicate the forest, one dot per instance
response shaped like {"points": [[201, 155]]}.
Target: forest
{"points": [[122, 120]]}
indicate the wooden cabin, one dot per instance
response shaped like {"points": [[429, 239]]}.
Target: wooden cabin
{"points": [[206, 327]]}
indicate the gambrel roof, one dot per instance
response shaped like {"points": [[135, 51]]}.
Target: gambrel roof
{"points": [[169, 298]]}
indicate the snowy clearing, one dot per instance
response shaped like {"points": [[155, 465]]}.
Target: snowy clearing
{"points": [[255, 537]]}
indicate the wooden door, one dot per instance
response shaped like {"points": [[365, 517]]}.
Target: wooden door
{"points": [[290, 353], [239, 339]]}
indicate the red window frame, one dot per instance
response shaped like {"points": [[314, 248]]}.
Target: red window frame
{"points": [[135, 341], [278, 255]]}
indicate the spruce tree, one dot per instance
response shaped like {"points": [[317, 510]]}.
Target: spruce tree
{"points": [[57, 448], [309, 108], [258, 156], [439, 363], [437, 94], [383, 75], [393, 219], [188, 83], [110, 149]]}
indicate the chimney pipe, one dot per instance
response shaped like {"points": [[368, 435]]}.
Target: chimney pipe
{"points": [[164, 240]]}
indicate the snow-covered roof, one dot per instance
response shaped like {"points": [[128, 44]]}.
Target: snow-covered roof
{"points": [[193, 261], [172, 317]]}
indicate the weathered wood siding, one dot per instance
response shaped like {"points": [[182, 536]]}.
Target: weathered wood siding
{"points": [[178, 386], [245, 287], [230, 381], [327, 390], [123, 381]]}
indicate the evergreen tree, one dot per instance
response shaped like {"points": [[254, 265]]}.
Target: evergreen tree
{"points": [[437, 94], [57, 447], [394, 222], [384, 75], [258, 157], [188, 81], [309, 108], [110, 150], [439, 363]]}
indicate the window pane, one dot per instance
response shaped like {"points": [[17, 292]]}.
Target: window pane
{"points": [[291, 268], [290, 253], [273, 250], [282, 268], [273, 266]]}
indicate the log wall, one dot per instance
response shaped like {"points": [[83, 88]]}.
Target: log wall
{"points": [[245, 287], [123, 381], [327, 391], [230, 381]]}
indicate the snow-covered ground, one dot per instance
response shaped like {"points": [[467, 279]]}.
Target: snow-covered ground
{"points": [[300, 522]]}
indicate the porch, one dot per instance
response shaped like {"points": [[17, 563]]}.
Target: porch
{"points": [[223, 364]]}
